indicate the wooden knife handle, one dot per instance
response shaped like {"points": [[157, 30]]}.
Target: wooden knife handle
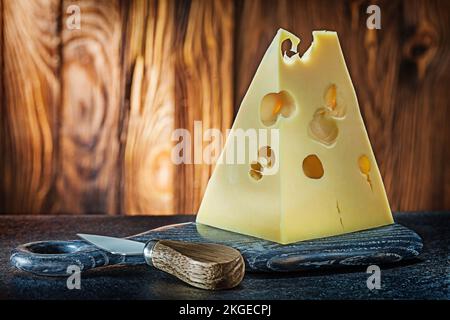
{"points": [[202, 265]]}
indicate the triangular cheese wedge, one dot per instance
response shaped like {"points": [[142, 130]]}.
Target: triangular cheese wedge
{"points": [[327, 180]]}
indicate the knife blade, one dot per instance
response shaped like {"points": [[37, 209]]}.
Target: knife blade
{"points": [[118, 246]]}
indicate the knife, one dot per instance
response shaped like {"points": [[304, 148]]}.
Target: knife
{"points": [[203, 265]]}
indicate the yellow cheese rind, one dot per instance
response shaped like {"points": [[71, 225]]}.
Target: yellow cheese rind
{"points": [[291, 206]]}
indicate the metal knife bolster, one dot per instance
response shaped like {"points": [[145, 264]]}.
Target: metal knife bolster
{"points": [[148, 251]]}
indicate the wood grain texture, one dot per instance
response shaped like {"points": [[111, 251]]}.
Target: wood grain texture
{"points": [[88, 164], [204, 84], [425, 277], [30, 99], [86, 115], [149, 105], [384, 245], [400, 74], [203, 265], [421, 173], [3, 129]]}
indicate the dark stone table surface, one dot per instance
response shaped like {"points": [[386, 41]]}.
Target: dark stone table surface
{"points": [[427, 277]]}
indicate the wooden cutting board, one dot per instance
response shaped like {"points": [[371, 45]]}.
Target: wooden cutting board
{"points": [[388, 244]]}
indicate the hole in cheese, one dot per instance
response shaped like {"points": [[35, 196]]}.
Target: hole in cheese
{"points": [[286, 49], [256, 171], [364, 164], [266, 159], [312, 167], [266, 156], [275, 104], [364, 167], [330, 97], [335, 107], [323, 128]]}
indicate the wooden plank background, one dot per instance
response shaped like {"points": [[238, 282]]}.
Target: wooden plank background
{"points": [[87, 115]]}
